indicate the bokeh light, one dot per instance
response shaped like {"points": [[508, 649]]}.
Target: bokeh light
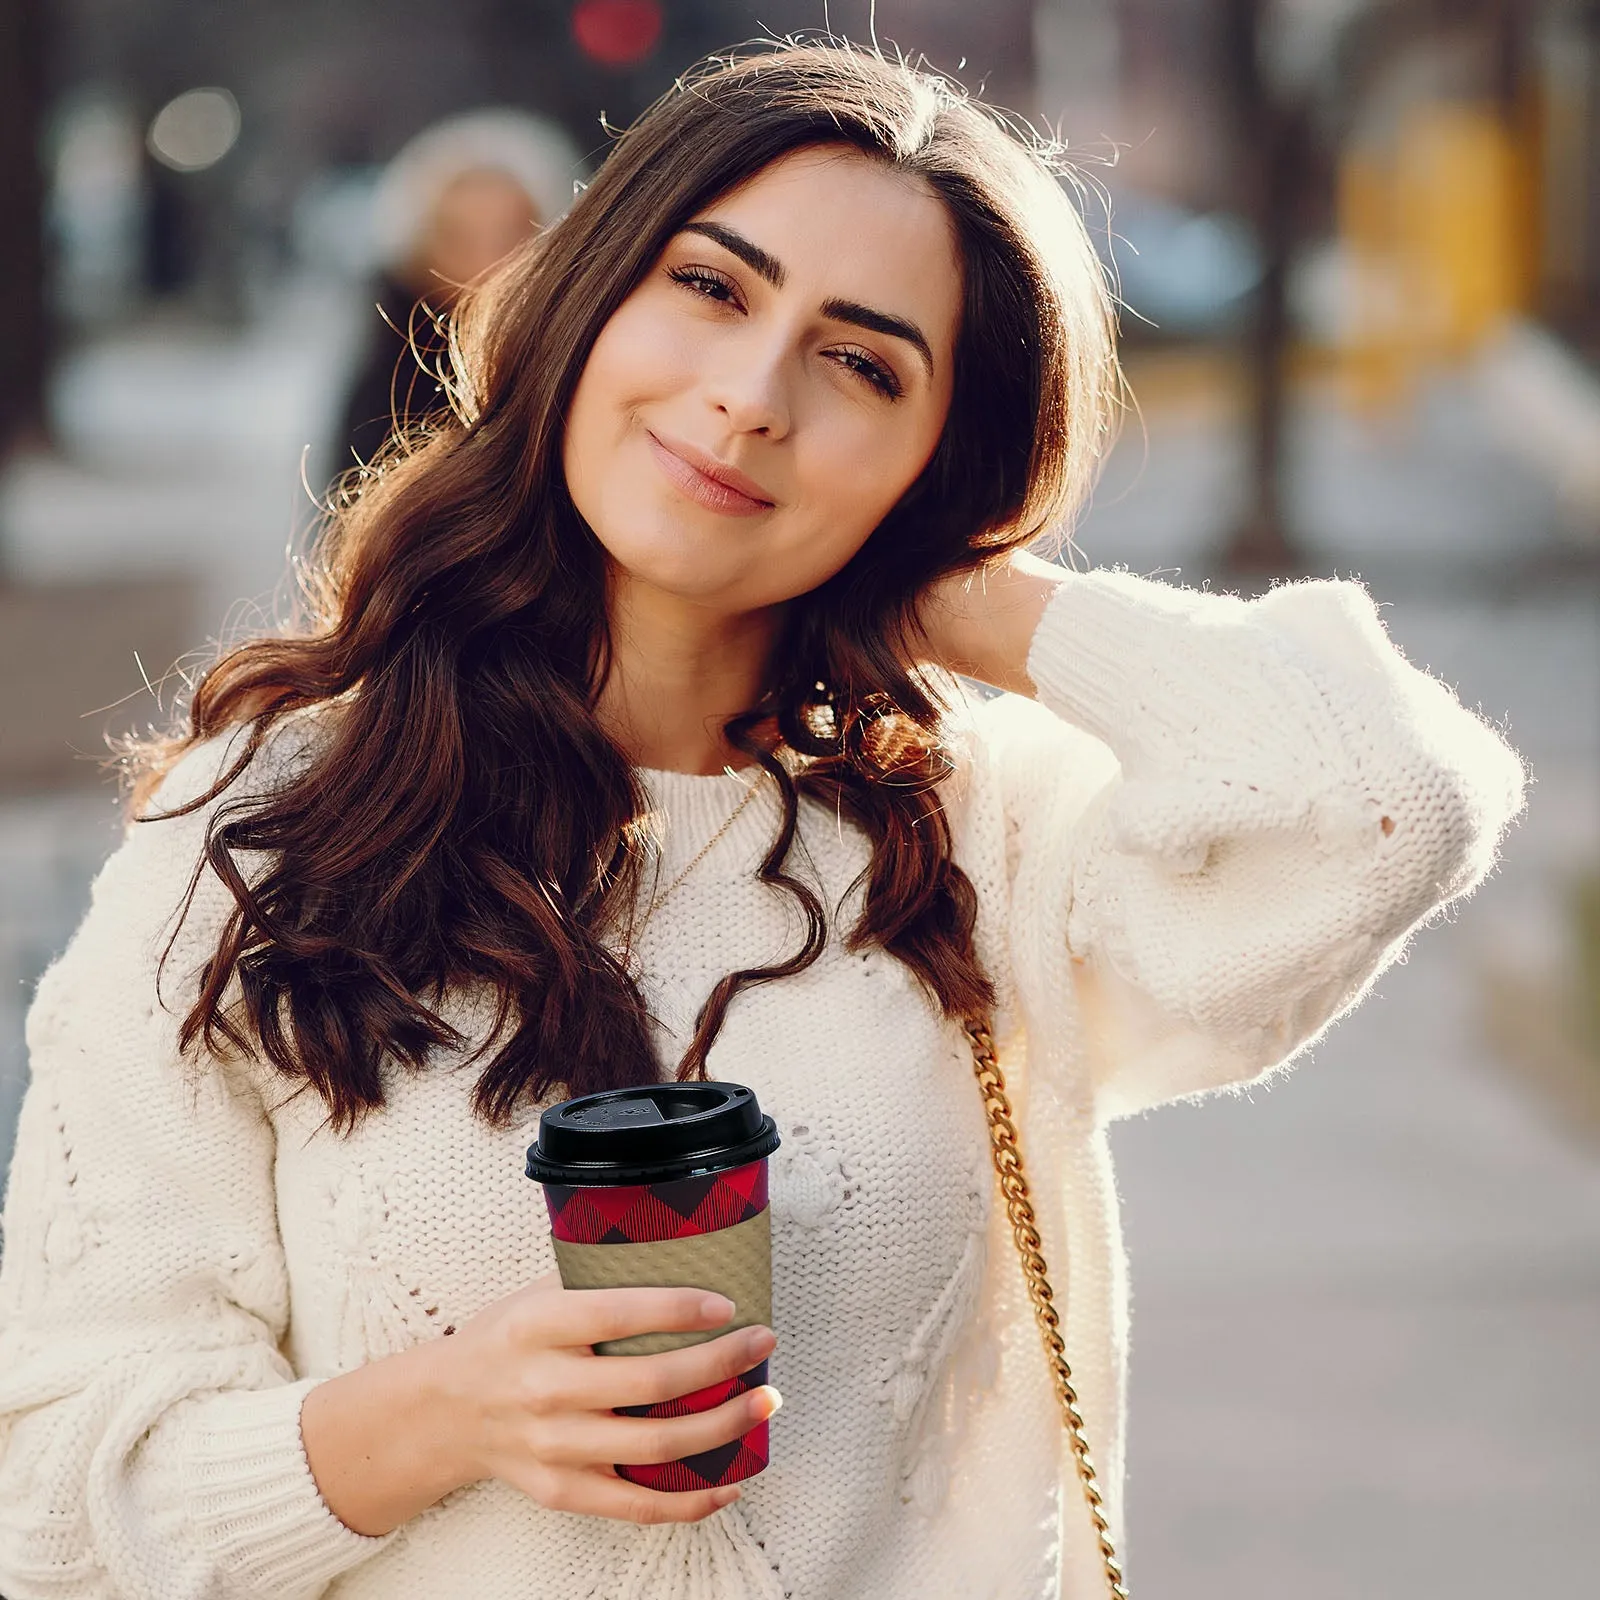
{"points": [[195, 130], [616, 33]]}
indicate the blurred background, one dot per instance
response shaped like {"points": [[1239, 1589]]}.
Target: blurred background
{"points": [[1358, 243]]}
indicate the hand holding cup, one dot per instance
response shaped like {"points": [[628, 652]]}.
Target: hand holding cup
{"points": [[535, 1406]]}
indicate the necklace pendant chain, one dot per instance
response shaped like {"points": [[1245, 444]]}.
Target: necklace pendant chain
{"points": [[733, 816]]}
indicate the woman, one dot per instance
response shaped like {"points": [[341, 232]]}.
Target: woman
{"points": [[623, 741], [457, 199]]}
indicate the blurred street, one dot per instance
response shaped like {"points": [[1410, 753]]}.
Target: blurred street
{"points": [[182, 452], [1367, 1301]]}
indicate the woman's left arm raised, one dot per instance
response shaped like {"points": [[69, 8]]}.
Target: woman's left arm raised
{"points": [[1289, 799]]}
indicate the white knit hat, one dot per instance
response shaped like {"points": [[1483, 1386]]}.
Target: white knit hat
{"points": [[529, 150]]}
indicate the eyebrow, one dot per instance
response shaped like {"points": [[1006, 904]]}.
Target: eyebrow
{"points": [[768, 267]]}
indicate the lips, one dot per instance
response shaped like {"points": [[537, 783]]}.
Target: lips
{"points": [[707, 481]]}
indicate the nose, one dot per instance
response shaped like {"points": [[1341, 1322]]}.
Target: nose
{"points": [[750, 390]]}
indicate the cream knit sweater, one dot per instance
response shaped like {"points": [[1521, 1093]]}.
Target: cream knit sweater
{"points": [[1218, 823]]}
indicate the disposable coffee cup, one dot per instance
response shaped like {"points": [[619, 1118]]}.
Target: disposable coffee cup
{"points": [[665, 1186]]}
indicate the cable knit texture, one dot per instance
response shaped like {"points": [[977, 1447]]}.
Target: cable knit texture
{"points": [[1218, 822]]}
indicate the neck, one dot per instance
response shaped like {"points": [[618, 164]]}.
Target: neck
{"points": [[678, 672]]}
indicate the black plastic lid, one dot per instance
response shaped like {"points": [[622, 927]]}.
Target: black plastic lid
{"points": [[652, 1134]]}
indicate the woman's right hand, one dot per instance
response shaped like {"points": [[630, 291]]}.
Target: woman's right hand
{"points": [[517, 1394], [534, 1402]]}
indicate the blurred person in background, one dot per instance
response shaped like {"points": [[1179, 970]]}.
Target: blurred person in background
{"points": [[623, 740], [457, 199]]}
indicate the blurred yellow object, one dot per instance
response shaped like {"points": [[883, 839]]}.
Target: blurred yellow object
{"points": [[1459, 220], [1435, 227]]}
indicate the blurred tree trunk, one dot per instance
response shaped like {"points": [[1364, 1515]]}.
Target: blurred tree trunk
{"points": [[1273, 140], [1511, 25], [22, 307]]}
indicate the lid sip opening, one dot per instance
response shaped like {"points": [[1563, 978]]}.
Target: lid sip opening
{"points": [[653, 1133]]}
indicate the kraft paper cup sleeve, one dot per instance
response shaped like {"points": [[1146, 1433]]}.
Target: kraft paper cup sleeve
{"points": [[736, 1262]]}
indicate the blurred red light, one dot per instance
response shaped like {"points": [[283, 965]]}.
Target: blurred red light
{"points": [[616, 33]]}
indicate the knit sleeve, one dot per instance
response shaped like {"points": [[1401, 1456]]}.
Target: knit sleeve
{"points": [[150, 1441], [1230, 815]]}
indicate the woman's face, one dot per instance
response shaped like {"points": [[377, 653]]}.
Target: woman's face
{"points": [[774, 384]]}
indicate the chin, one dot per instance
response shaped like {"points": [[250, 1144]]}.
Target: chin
{"points": [[679, 574], [683, 561]]}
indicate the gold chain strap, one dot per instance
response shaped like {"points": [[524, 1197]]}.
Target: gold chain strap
{"points": [[1007, 1150]]}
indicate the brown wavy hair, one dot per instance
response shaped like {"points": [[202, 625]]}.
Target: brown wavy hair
{"points": [[461, 819]]}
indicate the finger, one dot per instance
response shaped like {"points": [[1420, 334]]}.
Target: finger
{"points": [[604, 1494], [595, 1438], [597, 1383], [581, 1317]]}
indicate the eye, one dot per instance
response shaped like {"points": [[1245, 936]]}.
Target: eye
{"points": [[706, 283], [867, 366]]}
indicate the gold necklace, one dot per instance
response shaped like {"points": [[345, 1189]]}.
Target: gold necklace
{"points": [[659, 900]]}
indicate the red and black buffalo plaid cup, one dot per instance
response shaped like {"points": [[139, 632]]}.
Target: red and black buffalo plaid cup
{"points": [[665, 1186]]}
